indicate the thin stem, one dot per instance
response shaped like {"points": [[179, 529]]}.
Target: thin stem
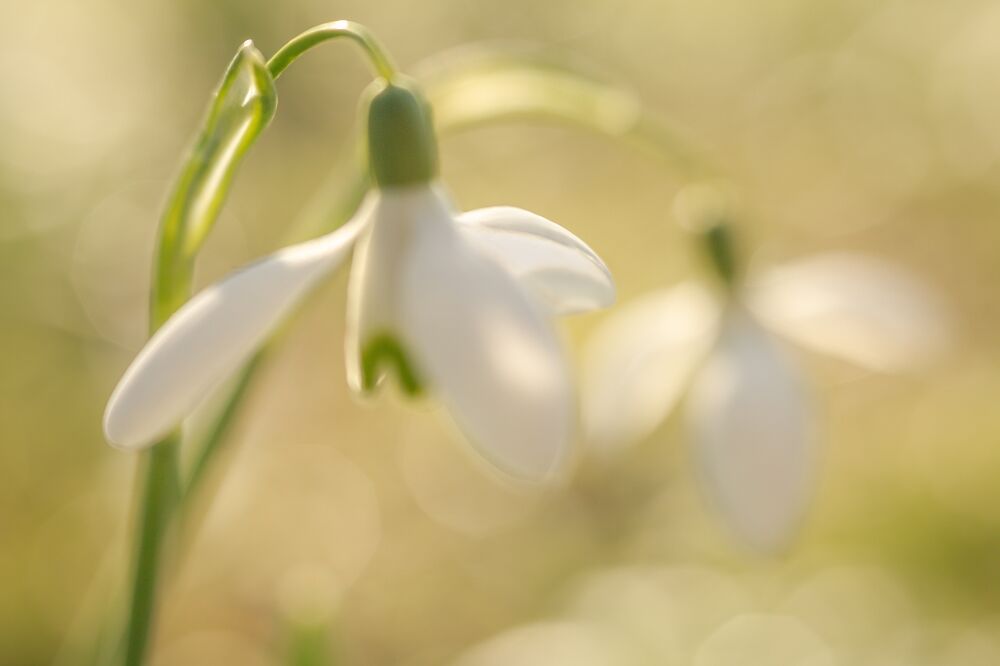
{"points": [[159, 499], [288, 53], [220, 427]]}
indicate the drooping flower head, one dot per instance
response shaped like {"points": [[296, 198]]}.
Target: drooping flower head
{"points": [[457, 303], [749, 409]]}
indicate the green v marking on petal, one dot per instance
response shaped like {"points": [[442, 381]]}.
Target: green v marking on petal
{"points": [[384, 349]]}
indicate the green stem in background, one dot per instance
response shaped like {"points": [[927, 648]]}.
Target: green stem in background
{"points": [[485, 87], [243, 106], [220, 426], [288, 53]]}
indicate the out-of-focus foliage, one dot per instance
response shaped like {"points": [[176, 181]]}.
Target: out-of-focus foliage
{"points": [[844, 126]]}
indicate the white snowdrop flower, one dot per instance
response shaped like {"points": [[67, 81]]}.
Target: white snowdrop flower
{"points": [[749, 411], [456, 302]]}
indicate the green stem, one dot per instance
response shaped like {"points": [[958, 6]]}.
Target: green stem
{"points": [[297, 46], [161, 484], [220, 427], [158, 502]]}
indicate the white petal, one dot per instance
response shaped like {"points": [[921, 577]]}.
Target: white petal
{"points": [[213, 333], [639, 361], [754, 433], [855, 308], [486, 349], [550, 261], [397, 215]]}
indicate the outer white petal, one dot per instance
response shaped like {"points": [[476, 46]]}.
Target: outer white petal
{"points": [[550, 261], [754, 433], [855, 308], [638, 362], [213, 333], [485, 347]]}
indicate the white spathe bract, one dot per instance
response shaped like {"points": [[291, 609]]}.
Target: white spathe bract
{"points": [[753, 432], [470, 317]]}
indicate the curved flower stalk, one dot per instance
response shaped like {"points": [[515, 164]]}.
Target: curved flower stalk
{"points": [[457, 302], [750, 414]]}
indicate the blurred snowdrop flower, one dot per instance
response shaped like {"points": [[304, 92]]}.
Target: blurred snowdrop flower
{"points": [[457, 302], [749, 409]]}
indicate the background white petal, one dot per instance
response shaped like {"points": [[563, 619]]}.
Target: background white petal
{"points": [[486, 348], [754, 433], [639, 361], [853, 307], [554, 264], [213, 333]]}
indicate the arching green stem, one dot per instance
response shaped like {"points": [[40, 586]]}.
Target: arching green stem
{"points": [[288, 53]]}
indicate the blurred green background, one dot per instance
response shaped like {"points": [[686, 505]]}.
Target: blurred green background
{"points": [[854, 124]]}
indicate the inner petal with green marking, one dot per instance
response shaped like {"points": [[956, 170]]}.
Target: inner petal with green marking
{"points": [[382, 350]]}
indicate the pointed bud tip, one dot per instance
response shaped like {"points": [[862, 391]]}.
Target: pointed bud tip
{"points": [[248, 52], [248, 81]]}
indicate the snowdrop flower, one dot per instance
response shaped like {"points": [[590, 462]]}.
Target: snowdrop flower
{"points": [[748, 407], [459, 303]]}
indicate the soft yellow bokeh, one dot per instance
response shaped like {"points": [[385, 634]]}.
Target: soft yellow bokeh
{"points": [[863, 126]]}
